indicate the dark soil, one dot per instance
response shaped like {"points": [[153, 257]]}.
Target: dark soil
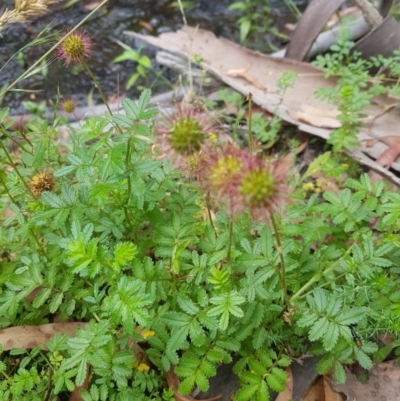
{"points": [[106, 26]]}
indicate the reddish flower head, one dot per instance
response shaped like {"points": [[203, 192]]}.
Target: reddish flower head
{"points": [[68, 106], [248, 183], [218, 169], [263, 186], [76, 48], [183, 133]]}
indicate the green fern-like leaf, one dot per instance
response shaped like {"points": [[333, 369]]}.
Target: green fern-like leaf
{"points": [[246, 392], [122, 120], [144, 100], [319, 329], [187, 305], [186, 385], [325, 364], [53, 200], [363, 359], [339, 374], [123, 252], [277, 379], [178, 338], [331, 336]]}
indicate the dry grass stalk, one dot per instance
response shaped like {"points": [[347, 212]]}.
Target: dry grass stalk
{"points": [[25, 10]]}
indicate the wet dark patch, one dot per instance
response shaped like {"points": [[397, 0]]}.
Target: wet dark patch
{"points": [[106, 26]]}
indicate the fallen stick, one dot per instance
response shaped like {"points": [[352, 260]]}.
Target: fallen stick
{"points": [[325, 40], [371, 14]]}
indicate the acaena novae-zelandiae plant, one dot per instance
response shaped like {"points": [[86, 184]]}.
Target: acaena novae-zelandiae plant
{"points": [[196, 266]]}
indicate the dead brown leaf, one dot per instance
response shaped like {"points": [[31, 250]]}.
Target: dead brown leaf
{"points": [[92, 5], [387, 158], [239, 72], [323, 118], [33, 336], [8, 212], [386, 338], [316, 392], [290, 27], [146, 26], [33, 294], [383, 384], [242, 73], [322, 391], [330, 393], [303, 138], [301, 147], [390, 140]]}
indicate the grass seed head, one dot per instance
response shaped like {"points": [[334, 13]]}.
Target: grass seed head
{"points": [[25, 10]]}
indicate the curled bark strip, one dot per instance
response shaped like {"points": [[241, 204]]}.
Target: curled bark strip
{"points": [[311, 24]]}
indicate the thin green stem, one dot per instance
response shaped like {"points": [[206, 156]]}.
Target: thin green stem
{"points": [[128, 219], [18, 144], [5, 375], [48, 53], [128, 164], [55, 110], [282, 261], [45, 357], [230, 241], [249, 131], [96, 82], [182, 11], [26, 139], [190, 75], [15, 168], [292, 7], [318, 275], [324, 284], [103, 97], [208, 206], [96, 317]]}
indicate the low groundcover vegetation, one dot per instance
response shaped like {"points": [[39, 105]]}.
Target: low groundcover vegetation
{"points": [[219, 257], [178, 252]]}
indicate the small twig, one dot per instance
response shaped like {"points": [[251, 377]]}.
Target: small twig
{"points": [[208, 206], [371, 14], [230, 241]]}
